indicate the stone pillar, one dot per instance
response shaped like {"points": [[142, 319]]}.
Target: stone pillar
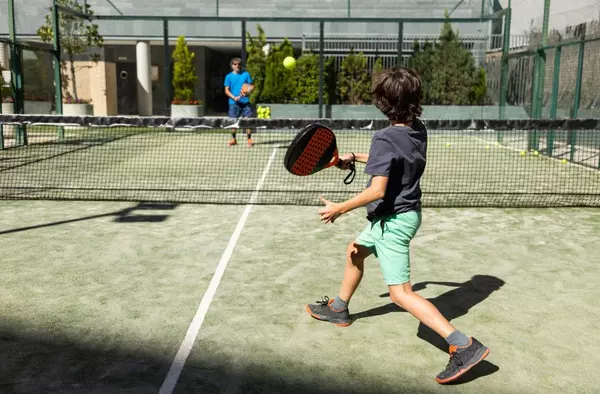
{"points": [[144, 78]]}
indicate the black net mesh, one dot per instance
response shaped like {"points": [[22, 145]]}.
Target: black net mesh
{"points": [[469, 163]]}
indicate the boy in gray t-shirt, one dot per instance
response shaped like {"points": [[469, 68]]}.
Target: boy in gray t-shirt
{"points": [[395, 162]]}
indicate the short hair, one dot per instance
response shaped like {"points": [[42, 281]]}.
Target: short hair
{"points": [[397, 94], [235, 59]]}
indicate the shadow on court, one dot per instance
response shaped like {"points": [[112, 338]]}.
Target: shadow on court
{"points": [[127, 215], [452, 304], [38, 362]]}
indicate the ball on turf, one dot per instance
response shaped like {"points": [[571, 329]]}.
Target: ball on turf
{"points": [[536, 153], [564, 161], [523, 153], [289, 62], [448, 144], [487, 147]]}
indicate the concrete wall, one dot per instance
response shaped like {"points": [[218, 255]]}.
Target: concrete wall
{"points": [[30, 15], [95, 82]]}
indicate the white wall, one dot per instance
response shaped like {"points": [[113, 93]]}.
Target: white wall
{"points": [[563, 13]]}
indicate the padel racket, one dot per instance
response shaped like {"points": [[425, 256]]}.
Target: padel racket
{"points": [[314, 149], [247, 88]]}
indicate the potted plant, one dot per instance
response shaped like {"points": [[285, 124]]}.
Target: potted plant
{"points": [[184, 104], [37, 104], [77, 36], [7, 105], [6, 96], [77, 107]]}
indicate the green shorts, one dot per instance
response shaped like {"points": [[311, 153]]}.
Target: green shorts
{"points": [[390, 244]]}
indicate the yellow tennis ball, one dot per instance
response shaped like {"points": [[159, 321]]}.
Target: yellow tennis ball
{"points": [[448, 144], [523, 153], [536, 153], [564, 161], [289, 62], [497, 143], [487, 147]]}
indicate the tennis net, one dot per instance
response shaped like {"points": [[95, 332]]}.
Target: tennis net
{"points": [[469, 163]]}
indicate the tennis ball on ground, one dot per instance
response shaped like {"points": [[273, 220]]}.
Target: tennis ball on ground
{"points": [[536, 153], [487, 147], [289, 62], [523, 153], [448, 144], [564, 161]]}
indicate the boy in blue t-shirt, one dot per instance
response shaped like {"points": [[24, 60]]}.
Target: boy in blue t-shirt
{"points": [[395, 162], [239, 104]]}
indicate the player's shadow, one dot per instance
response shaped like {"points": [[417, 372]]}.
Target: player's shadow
{"points": [[452, 304], [127, 215]]}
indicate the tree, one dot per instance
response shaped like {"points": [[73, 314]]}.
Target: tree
{"points": [[307, 79], [256, 62], [422, 60], [184, 72], [448, 72], [77, 36], [378, 66], [280, 83], [353, 80]]}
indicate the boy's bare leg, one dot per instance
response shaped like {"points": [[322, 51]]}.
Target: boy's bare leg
{"points": [[465, 352], [336, 310], [353, 272], [422, 309]]}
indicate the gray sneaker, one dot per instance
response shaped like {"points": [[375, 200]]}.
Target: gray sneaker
{"points": [[323, 310], [462, 359]]}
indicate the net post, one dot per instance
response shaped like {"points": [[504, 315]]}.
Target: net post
{"points": [[166, 67], [504, 68], [400, 43], [321, 65]]}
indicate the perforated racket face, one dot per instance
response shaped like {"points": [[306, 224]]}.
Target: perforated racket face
{"points": [[312, 150]]}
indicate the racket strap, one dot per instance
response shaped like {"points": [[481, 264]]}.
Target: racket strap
{"points": [[350, 177]]}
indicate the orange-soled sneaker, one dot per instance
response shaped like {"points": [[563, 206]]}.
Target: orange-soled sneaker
{"points": [[232, 142], [323, 310], [250, 142], [462, 359]]}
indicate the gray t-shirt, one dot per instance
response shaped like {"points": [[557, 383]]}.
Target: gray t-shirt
{"points": [[398, 152]]}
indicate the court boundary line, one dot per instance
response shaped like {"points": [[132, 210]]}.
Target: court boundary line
{"points": [[194, 328]]}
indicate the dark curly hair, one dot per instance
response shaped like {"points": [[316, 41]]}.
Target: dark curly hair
{"points": [[397, 94]]}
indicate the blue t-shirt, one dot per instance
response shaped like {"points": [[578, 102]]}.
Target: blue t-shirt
{"points": [[235, 81], [398, 152]]}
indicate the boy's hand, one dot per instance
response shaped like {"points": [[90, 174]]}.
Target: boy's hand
{"points": [[345, 161], [330, 212]]}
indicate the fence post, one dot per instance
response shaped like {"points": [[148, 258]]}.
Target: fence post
{"points": [[321, 65], [504, 69], [400, 43], [576, 101], [554, 98], [57, 67]]}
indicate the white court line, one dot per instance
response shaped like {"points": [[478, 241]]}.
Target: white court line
{"points": [[190, 337]]}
